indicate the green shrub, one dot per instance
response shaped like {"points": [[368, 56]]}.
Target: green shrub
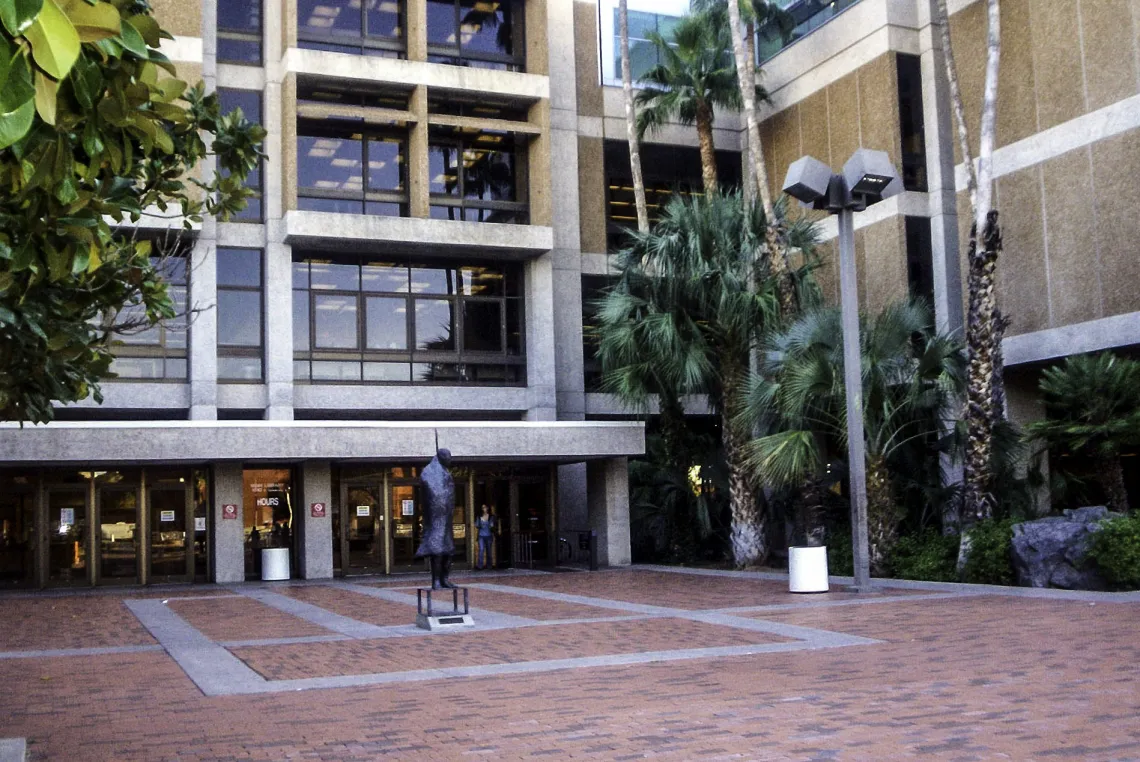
{"points": [[990, 561], [1116, 550], [929, 556], [840, 554]]}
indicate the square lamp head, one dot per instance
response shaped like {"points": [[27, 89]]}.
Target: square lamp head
{"points": [[869, 174], [807, 179]]}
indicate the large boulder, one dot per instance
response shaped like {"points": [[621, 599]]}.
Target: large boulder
{"points": [[1051, 552]]}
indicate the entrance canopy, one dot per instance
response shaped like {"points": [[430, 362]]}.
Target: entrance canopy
{"points": [[166, 441]]}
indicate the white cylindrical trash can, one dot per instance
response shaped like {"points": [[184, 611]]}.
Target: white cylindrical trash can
{"points": [[274, 564], [807, 569]]}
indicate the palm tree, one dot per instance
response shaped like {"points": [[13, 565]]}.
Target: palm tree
{"points": [[695, 76], [1092, 406], [911, 376], [685, 312], [631, 120]]}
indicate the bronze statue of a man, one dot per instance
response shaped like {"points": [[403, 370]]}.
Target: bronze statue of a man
{"points": [[437, 544]]}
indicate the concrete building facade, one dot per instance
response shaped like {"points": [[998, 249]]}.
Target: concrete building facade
{"points": [[444, 185]]}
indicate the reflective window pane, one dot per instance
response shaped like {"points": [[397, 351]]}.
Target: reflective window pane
{"points": [[300, 275], [435, 324], [514, 327], [239, 51], [301, 370], [336, 371], [330, 205], [137, 367], [480, 281], [240, 15], [239, 368], [383, 276], [387, 323], [176, 368], [441, 22], [324, 275], [301, 321], [239, 267], [482, 326], [442, 169], [383, 18], [174, 331], [385, 165], [239, 318], [333, 164], [392, 372], [385, 209], [339, 18], [433, 280], [334, 321], [485, 26]]}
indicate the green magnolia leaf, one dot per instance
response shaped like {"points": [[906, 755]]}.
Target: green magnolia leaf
{"points": [[55, 43], [148, 28], [86, 82], [19, 89], [18, 15], [130, 39], [47, 95], [5, 59], [59, 262], [14, 125], [94, 22], [22, 256]]}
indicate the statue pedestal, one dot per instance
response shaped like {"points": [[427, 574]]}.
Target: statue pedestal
{"points": [[438, 614]]}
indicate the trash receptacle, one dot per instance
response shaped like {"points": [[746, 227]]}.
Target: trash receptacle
{"points": [[274, 564], [807, 569]]}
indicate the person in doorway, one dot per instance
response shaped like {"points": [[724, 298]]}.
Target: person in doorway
{"points": [[255, 548], [485, 531]]}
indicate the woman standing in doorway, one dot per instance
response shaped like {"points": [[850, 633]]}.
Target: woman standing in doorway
{"points": [[485, 530]]}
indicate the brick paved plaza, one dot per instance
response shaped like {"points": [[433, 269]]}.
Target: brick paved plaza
{"points": [[669, 664]]}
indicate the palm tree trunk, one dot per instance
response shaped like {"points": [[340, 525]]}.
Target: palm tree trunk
{"points": [[981, 330], [682, 531], [942, 21], [1110, 474], [882, 515], [708, 149], [749, 534], [631, 121], [746, 75]]}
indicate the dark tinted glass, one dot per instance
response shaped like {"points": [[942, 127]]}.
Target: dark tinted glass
{"points": [[239, 51], [330, 163], [441, 22], [482, 326], [385, 165], [442, 169], [339, 18], [485, 26], [480, 281], [383, 18], [239, 267], [239, 15]]}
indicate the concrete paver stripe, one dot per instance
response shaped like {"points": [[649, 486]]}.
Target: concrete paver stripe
{"points": [[52, 652], [602, 603], [817, 638], [829, 604], [212, 668], [283, 641], [314, 614], [529, 667]]}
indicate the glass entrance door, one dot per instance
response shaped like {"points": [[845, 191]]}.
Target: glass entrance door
{"points": [[169, 529], [17, 531], [363, 526], [67, 540], [407, 524], [117, 535]]}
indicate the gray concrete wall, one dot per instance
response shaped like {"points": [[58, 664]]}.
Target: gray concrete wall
{"points": [[228, 537], [315, 542], [608, 500]]}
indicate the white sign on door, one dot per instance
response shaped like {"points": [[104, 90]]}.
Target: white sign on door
{"points": [[199, 523], [408, 507], [166, 515], [66, 516], [363, 510]]}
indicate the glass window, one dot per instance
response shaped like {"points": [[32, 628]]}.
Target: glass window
{"points": [[395, 323], [491, 186], [435, 324], [334, 321], [480, 33], [240, 308], [483, 325], [152, 352], [239, 32], [387, 326], [249, 101], [351, 26], [268, 514], [343, 170]]}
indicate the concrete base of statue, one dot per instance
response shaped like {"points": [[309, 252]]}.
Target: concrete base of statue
{"points": [[440, 609]]}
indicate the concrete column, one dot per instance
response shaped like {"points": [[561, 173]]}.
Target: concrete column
{"points": [[941, 137], [419, 178], [415, 23], [540, 339], [314, 550], [608, 500], [572, 499], [228, 539], [203, 275]]}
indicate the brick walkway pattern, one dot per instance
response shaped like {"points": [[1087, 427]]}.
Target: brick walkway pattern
{"points": [[731, 667]]}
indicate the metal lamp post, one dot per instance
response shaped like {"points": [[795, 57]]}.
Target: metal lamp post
{"points": [[866, 179]]}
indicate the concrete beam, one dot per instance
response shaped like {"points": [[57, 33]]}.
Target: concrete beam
{"points": [[365, 234], [410, 398], [1078, 338], [181, 441]]}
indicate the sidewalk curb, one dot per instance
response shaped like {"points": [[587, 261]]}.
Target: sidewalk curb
{"points": [[13, 750]]}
